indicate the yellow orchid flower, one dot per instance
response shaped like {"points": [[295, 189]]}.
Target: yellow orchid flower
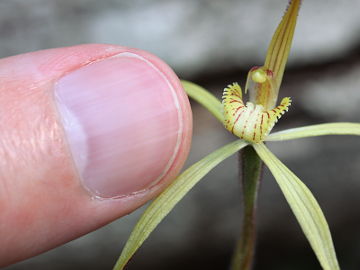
{"points": [[252, 123]]}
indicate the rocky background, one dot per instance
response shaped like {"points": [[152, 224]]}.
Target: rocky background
{"points": [[214, 43]]}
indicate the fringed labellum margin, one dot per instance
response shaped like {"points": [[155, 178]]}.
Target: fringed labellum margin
{"points": [[252, 122]]}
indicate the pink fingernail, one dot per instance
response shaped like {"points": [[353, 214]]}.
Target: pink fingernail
{"points": [[123, 124]]}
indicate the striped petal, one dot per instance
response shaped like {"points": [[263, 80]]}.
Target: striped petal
{"points": [[280, 44]]}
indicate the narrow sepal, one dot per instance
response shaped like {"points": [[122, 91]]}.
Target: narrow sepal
{"points": [[305, 207], [205, 98], [166, 201], [316, 130]]}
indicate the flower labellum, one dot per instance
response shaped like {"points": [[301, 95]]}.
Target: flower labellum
{"points": [[249, 122]]}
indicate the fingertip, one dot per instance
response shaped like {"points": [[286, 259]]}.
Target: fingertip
{"points": [[47, 183], [126, 121]]}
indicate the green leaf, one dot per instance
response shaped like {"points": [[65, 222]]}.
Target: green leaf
{"points": [[316, 130], [205, 98], [305, 208], [166, 201]]}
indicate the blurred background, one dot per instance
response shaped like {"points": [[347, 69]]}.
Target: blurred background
{"points": [[214, 43]]}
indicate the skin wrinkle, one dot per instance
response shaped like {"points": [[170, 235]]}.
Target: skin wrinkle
{"points": [[26, 146], [27, 142], [25, 95], [14, 135]]}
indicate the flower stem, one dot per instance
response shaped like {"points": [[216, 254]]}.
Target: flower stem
{"points": [[251, 172]]}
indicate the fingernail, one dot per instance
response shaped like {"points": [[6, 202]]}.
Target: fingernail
{"points": [[123, 124]]}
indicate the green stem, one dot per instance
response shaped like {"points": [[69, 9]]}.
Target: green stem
{"points": [[251, 168]]}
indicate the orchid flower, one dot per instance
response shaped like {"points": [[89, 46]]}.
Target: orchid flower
{"points": [[252, 122]]}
